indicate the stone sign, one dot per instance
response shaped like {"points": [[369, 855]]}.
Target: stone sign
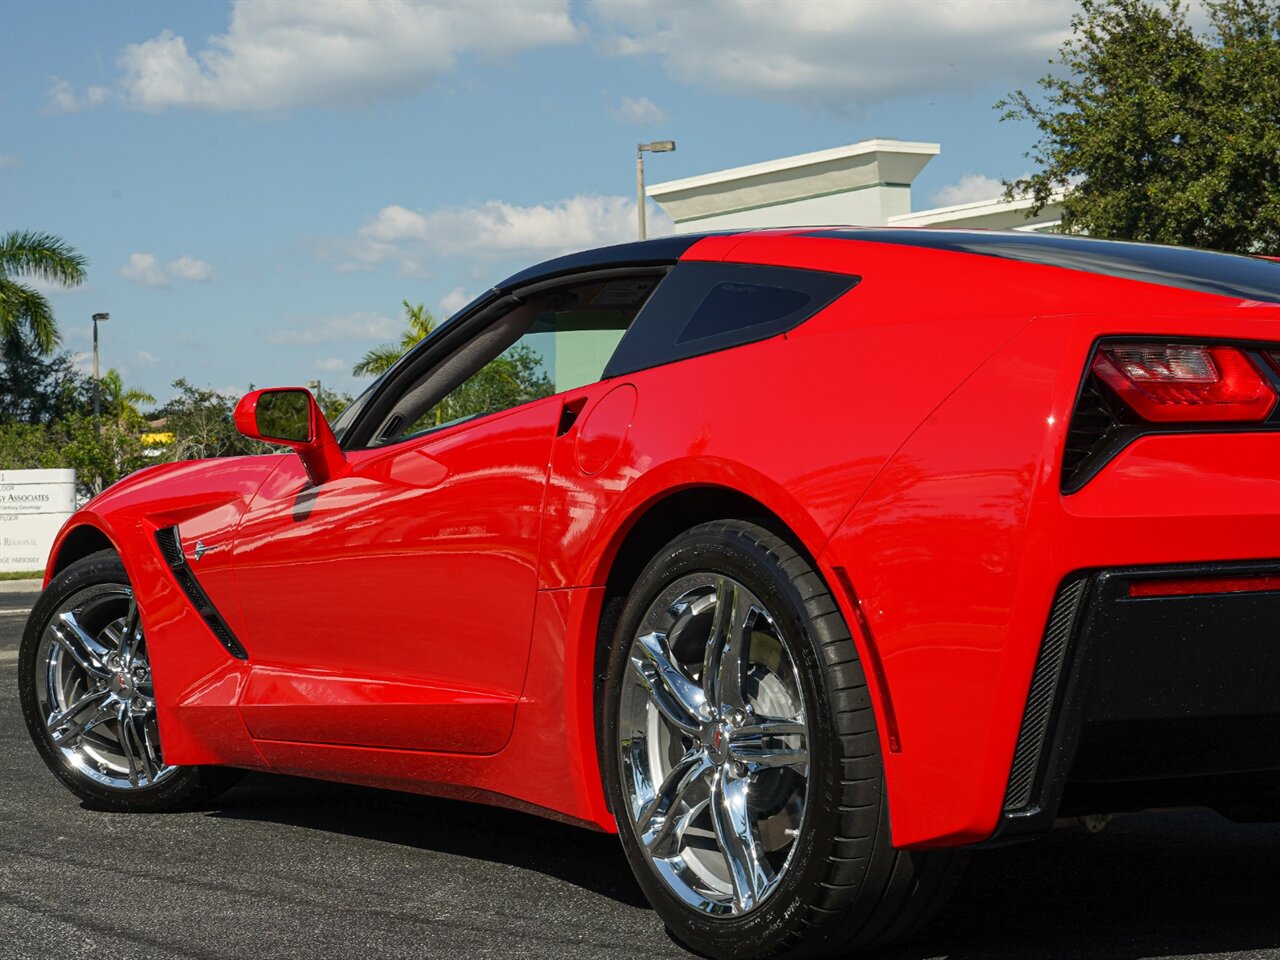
{"points": [[34, 504]]}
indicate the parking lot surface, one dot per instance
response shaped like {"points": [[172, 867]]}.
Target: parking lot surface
{"points": [[281, 867]]}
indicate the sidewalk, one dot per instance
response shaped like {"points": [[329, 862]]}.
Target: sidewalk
{"points": [[20, 586]]}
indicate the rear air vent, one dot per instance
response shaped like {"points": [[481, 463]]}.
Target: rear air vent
{"points": [[1043, 695], [170, 544], [1094, 425]]}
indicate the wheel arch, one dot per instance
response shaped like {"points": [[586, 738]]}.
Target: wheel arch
{"points": [[76, 543]]}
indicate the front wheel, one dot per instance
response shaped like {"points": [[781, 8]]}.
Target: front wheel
{"points": [[742, 760], [87, 696]]}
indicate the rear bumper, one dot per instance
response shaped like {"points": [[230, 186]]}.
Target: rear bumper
{"points": [[1148, 697]]}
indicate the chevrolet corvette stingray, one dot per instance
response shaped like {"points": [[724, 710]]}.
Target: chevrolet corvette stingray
{"points": [[803, 559]]}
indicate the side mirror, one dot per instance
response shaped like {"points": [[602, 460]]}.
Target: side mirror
{"points": [[291, 416]]}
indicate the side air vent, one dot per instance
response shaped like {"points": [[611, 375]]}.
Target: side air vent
{"points": [[1045, 682], [170, 544], [1094, 426]]}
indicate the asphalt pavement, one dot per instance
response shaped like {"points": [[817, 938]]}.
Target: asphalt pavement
{"points": [[283, 868]]}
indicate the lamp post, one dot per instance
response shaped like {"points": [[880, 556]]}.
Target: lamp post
{"points": [[97, 391], [656, 146], [97, 383]]}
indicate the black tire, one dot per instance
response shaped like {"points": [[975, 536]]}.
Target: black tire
{"points": [[844, 887], [182, 788]]}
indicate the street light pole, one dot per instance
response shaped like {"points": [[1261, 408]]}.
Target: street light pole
{"points": [[97, 382], [97, 391], [657, 146]]}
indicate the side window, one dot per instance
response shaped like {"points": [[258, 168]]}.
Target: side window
{"points": [[552, 342], [704, 307]]}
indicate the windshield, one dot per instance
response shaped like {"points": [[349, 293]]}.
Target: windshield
{"points": [[341, 425]]}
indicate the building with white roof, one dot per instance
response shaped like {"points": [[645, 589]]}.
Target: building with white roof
{"points": [[866, 183]]}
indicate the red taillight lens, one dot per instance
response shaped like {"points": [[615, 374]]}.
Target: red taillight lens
{"points": [[1173, 382]]}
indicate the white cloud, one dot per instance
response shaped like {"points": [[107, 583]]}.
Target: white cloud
{"points": [[189, 268], [332, 365], [639, 110], [396, 235], [350, 327], [842, 53], [277, 55], [970, 188], [452, 302], [64, 99], [146, 269], [144, 359]]}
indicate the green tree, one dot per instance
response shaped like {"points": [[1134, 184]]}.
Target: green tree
{"points": [[515, 377], [37, 388], [97, 452], [419, 321], [332, 402], [202, 425], [1156, 133], [40, 256]]}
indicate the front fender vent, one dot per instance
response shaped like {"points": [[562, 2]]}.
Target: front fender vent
{"points": [[170, 544]]}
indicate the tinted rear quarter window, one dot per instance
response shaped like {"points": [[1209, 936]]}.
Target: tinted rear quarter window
{"points": [[704, 307]]}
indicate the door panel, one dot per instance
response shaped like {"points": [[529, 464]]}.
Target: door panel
{"points": [[393, 606]]}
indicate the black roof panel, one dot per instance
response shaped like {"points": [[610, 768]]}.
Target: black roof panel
{"points": [[1205, 271], [639, 253]]}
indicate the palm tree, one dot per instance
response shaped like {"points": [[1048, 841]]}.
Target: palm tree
{"points": [[379, 359], [41, 256]]}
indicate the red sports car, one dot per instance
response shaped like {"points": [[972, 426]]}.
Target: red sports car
{"points": [[803, 559]]}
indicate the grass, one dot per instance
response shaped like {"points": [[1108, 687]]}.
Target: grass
{"points": [[21, 574]]}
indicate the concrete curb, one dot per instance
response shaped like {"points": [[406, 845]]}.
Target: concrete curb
{"points": [[20, 586]]}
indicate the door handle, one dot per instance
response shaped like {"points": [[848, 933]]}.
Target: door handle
{"points": [[569, 414]]}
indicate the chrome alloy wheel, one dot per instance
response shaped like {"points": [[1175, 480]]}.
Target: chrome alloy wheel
{"points": [[713, 744], [94, 692]]}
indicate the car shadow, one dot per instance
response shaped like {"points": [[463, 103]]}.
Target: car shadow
{"points": [[1150, 885], [1159, 884], [587, 859]]}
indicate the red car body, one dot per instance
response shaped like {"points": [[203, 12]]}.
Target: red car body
{"points": [[429, 619]]}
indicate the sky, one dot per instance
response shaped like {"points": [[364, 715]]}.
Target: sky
{"points": [[259, 185]]}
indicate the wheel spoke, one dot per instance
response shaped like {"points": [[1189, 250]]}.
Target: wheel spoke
{"points": [[77, 730], [682, 787], [724, 659], [767, 727], [149, 748], [126, 742], [757, 756], [60, 719], [736, 836], [135, 724], [87, 652], [751, 744], [132, 635], [677, 697]]}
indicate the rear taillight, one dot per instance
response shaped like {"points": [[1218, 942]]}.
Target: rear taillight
{"points": [[1174, 382]]}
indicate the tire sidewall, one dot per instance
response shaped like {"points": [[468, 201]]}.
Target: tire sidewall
{"points": [[763, 931], [98, 569]]}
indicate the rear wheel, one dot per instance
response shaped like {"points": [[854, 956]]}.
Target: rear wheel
{"points": [[88, 700], [742, 760]]}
